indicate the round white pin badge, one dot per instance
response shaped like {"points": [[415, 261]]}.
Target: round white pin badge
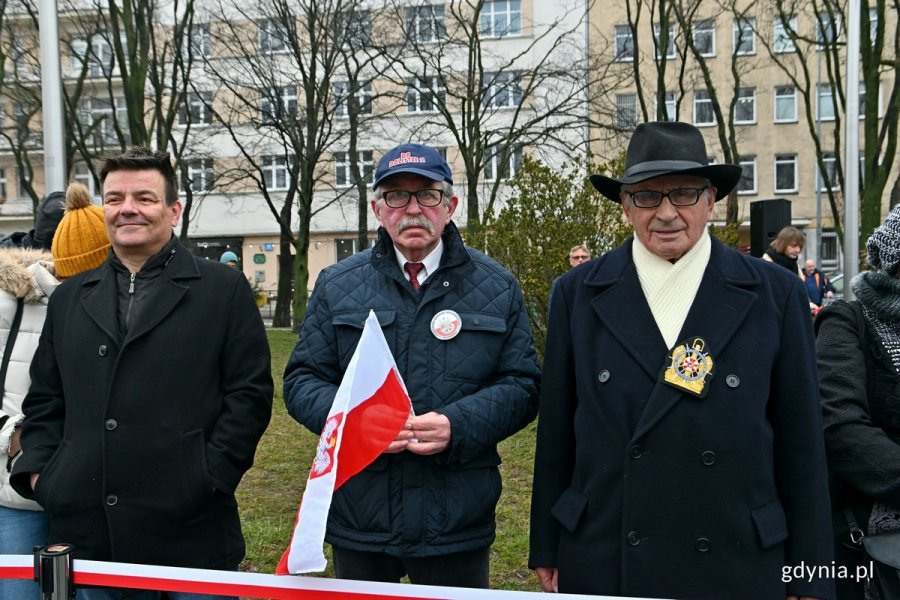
{"points": [[446, 325]]}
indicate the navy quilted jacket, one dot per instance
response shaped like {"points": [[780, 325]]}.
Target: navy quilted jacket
{"points": [[484, 380]]}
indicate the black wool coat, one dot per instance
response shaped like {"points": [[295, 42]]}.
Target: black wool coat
{"points": [[140, 442], [641, 489]]}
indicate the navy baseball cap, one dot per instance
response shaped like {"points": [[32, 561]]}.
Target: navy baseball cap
{"points": [[413, 158]]}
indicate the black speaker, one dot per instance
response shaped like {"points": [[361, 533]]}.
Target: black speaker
{"points": [[767, 218]]}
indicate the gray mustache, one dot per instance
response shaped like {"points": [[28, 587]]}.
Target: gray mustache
{"points": [[407, 222]]}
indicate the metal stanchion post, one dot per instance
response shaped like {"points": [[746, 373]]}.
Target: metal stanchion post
{"points": [[53, 571]]}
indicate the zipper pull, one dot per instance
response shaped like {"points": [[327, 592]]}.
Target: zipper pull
{"points": [[131, 285]]}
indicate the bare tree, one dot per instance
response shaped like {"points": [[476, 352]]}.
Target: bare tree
{"points": [[492, 101], [879, 51], [279, 111]]}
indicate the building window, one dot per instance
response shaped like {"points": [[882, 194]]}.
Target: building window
{"points": [[503, 90], [786, 173], [84, 177], [704, 35], [747, 184], [363, 99], [97, 53], [831, 252], [344, 247], [873, 24], [19, 54], [275, 172], [271, 37], [744, 38], [200, 175], [500, 18], [745, 109], [671, 108], [104, 120], [197, 109], [343, 174], [783, 32], [830, 180], [703, 108], [828, 28], [657, 41], [425, 95], [785, 104], [4, 185], [199, 43], [498, 168], [425, 23], [825, 102], [626, 111], [23, 116], [862, 100], [624, 43], [278, 103], [357, 28]]}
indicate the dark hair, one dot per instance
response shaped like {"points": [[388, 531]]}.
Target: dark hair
{"points": [[139, 158]]}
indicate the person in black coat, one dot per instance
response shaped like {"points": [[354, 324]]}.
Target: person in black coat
{"points": [[151, 387], [679, 445], [858, 352]]}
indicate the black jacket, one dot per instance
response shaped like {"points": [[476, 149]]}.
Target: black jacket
{"points": [[484, 381], [140, 442]]}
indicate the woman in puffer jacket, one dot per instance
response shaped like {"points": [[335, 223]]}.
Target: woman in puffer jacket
{"points": [[27, 279]]}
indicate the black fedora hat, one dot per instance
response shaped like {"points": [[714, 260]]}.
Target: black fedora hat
{"points": [[668, 148]]}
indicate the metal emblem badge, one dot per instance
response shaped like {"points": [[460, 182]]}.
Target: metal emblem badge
{"points": [[689, 367], [446, 325]]}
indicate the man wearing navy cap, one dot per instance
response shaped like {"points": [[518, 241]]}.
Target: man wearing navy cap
{"points": [[679, 450], [456, 324]]}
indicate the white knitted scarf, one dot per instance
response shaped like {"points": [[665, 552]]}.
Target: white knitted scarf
{"points": [[670, 288]]}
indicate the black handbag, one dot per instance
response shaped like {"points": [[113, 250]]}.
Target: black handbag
{"points": [[884, 550]]}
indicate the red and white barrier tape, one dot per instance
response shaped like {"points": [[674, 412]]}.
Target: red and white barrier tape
{"points": [[253, 585]]}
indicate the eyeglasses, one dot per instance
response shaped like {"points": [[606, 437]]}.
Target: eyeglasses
{"points": [[678, 197], [400, 198], [580, 257]]}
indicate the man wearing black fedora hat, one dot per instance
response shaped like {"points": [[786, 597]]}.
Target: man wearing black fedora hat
{"points": [[679, 446]]}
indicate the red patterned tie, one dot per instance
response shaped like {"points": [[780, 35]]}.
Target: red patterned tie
{"points": [[413, 269]]}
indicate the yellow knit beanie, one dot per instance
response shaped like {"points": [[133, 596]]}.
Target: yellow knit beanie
{"points": [[80, 242]]}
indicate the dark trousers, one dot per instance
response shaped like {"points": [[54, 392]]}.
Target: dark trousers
{"points": [[460, 569]]}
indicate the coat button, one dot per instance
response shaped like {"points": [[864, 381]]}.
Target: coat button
{"points": [[703, 545], [112, 500], [708, 458], [732, 381], [604, 376], [102, 350], [633, 538], [476, 322], [446, 284], [111, 424], [636, 451]]}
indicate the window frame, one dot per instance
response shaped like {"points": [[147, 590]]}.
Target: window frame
{"points": [[196, 110], [743, 100], [821, 98], [364, 98], [705, 27], [778, 98], [782, 42], [493, 168], [273, 167], [737, 36], [343, 176], [503, 90], [782, 160], [743, 162], [201, 170], [623, 122], [268, 31], [431, 16], [511, 16], [697, 102], [670, 50], [624, 45], [431, 89]]}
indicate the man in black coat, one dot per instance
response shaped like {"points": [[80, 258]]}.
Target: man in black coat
{"points": [[679, 446], [151, 389]]}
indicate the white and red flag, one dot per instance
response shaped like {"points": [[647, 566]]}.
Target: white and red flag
{"points": [[369, 411]]}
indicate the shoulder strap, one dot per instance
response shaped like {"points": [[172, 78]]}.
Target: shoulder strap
{"points": [[10, 343]]}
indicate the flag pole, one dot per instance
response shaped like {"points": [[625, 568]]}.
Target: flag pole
{"points": [[851, 152]]}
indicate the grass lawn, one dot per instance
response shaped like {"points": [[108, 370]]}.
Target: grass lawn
{"points": [[270, 492]]}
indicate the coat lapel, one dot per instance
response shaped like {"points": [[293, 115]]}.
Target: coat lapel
{"points": [[100, 300], [622, 308], [723, 300]]}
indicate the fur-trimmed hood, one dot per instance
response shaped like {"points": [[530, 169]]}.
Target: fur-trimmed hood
{"points": [[27, 273]]}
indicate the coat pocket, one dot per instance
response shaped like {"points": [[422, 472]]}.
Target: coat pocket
{"points": [[771, 524], [569, 508], [472, 355], [348, 327]]}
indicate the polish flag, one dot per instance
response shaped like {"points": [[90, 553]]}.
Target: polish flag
{"points": [[369, 410]]}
